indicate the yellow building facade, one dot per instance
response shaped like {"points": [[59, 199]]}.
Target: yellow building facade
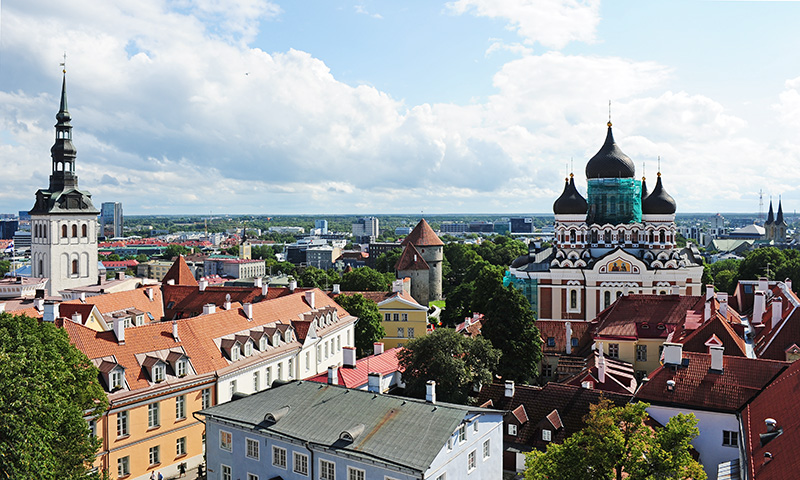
{"points": [[403, 319]]}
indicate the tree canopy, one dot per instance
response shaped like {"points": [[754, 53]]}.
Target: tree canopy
{"points": [[173, 250], [46, 387], [369, 328], [617, 443], [365, 279], [316, 277], [770, 262], [387, 260], [456, 363]]}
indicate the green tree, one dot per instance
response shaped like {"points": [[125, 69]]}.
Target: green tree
{"points": [[616, 443], [365, 279], [456, 363], [113, 257], [369, 328], [387, 260], [5, 266], [141, 258], [761, 262], [316, 277], [46, 387], [173, 250]]}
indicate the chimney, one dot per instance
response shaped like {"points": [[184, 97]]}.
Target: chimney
{"points": [[509, 388], [759, 307], [673, 353], [349, 357], [397, 286], [716, 357], [723, 304], [77, 318], [292, 285], [707, 311], [670, 385], [203, 283], [248, 310], [788, 283], [333, 376], [430, 391], [101, 279], [175, 331], [82, 297], [601, 367], [310, 298], [337, 289], [50, 311], [264, 289], [258, 282], [209, 308], [763, 284], [119, 330], [120, 275], [709, 292], [38, 304], [171, 281], [377, 348], [150, 293], [374, 380], [568, 326], [777, 311]]}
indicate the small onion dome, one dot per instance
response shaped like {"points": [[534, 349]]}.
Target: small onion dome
{"points": [[570, 202], [521, 261], [645, 193], [659, 202], [610, 162]]}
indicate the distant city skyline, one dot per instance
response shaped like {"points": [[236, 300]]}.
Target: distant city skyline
{"points": [[379, 107]]}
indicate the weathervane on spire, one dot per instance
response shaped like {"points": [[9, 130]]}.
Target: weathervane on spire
{"points": [[64, 64], [609, 113]]}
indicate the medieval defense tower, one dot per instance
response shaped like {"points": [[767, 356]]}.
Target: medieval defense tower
{"points": [[421, 261]]}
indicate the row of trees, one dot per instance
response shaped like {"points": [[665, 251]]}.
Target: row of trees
{"points": [[769, 262]]}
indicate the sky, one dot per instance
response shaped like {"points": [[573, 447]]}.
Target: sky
{"points": [[385, 106]]}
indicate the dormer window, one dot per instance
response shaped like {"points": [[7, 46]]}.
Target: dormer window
{"points": [[235, 353], [115, 380], [159, 372], [262, 343], [288, 336], [248, 349], [275, 339], [182, 368]]}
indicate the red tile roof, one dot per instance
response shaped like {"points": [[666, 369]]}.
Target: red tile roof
{"points": [[184, 301], [697, 386], [385, 364], [695, 340], [422, 236], [777, 401], [120, 263], [644, 316], [771, 342], [411, 259], [137, 298], [377, 297], [557, 330], [180, 273]]}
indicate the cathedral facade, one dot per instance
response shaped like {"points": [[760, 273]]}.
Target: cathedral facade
{"points": [[620, 240], [63, 219]]}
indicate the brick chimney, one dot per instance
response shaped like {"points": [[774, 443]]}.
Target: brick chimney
{"points": [[430, 391], [50, 311], [248, 310], [310, 299], [77, 318], [777, 311], [257, 282], [175, 331], [509, 390], [203, 283], [209, 308], [723, 304], [150, 293], [119, 330], [337, 289], [673, 353]]}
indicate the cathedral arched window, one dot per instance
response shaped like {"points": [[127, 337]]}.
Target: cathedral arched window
{"points": [[74, 230], [64, 231], [41, 269], [662, 237], [572, 236], [606, 299], [594, 236], [607, 237], [84, 231], [75, 267], [573, 299]]}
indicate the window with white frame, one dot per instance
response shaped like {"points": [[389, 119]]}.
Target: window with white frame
{"points": [[252, 476], [206, 398], [356, 474], [122, 424], [159, 371], [410, 332], [462, 433], [268, 376], [396, 317], [280, 371], [182, 368], [400, 333], [256, 379], [225, 441], [308, 360], [487, 449], [730, 438], [180, 447], [546, 435], [252, 450], [512, 429], [279, 457], [326, 350], [225, 472], [300, 463], [290, 368], [387, 317], [155, 455], [327, 470], [153, 415], [338, 343], [248, 349], [613, 350], [123, 466], [180, 407], [116, 380], [471, 461]]}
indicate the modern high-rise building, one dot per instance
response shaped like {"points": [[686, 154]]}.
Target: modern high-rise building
{"points": [[63, 219], [111, 219], [322, 226], [365, 230]]}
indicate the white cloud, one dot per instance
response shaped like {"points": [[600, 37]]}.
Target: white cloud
{"points": [[552, 23]]}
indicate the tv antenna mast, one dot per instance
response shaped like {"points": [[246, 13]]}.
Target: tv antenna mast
{"points": [[761, 205]]}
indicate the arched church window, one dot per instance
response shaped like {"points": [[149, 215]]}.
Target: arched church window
{"points": [[652, 238], [572, 236], [662, 237], [606, 299], [573, 299], [74, 230], [84, 231], [607, 237], [41, 268], [619, 293], [64, 231], [594, 236], [75, 267]]}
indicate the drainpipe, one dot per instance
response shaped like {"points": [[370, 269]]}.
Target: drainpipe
{"points": [[310, 460]]}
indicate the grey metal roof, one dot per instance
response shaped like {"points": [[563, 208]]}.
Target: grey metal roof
{"points": [[401, 431]]}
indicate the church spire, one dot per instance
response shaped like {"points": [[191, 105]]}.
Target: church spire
{"points": [[779, 218], [770, 215], [63, 151]]}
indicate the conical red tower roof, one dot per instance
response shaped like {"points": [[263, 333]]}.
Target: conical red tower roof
{"points": [[180, 273], [423, 235]]}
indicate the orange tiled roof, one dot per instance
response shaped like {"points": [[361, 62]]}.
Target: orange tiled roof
{"points": [[385, 364], [644, 316], [137, 298], [423, 236]]}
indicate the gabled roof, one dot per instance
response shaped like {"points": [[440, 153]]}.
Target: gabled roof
{"points": [[570, 403], [557, 330], [380, 297], [644, 316], [619, 376], [138, 299], [716, 327], [180, 273], [184, 301], [386, 364], [422, 236], [777, 401], [411, 259], [699, 387], [772, 342], [404, 432]]}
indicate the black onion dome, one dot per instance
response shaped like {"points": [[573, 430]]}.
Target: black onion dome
{"points": [[521, 261], [610, 162], [659, 202], [571, 202]]}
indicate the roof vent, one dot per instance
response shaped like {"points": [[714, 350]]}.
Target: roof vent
{"points": [[352, 433], [277, 414], [771, 424], [670, 385]]}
